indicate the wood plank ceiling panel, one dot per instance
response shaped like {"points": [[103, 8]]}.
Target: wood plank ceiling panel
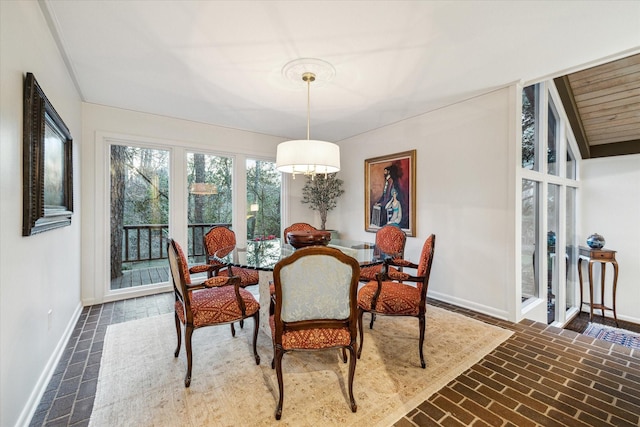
{"points": [[607, 98]]}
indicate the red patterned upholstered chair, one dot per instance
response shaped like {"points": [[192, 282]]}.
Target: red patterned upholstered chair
{"points": [[390, 242], [388, 296], [220, 237], [216, 301], [315, 309], [298, 226]]}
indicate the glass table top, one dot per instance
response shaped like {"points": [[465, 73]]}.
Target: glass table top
{"points": [[265, 254]]}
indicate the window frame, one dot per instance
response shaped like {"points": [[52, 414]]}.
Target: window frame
{"points": [[178, 193], [548, 97]]}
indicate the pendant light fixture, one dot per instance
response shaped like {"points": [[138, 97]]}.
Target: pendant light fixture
{"points": [[203, 189], [308, 156]]}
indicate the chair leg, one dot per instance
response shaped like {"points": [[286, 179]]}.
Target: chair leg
{"points": [[373, 319], [233, 330], [344, 355], [256, 326], [421, 320], [241, 323], [360, 329], [278, 360], [188, 332], [179, 333], [352, 372]]}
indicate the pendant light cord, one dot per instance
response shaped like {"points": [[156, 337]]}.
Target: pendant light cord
{"points": [[308, 77]]}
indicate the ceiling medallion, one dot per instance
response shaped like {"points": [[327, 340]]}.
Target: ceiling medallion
{"points": [[322, 70]]}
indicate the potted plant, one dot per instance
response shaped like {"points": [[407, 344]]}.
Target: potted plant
{"points": [[321, 193]]}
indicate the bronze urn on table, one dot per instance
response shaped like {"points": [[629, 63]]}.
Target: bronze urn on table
{"points": [[301, 239]]}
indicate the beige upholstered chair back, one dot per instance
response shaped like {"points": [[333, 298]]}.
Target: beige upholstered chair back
{"points": [[316, 287]]}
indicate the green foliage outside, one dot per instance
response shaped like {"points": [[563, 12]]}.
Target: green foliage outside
{"points": [[210, 208], [263, 189]]}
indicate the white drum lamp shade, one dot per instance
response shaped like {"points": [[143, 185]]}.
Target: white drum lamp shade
{"points": [[308, 157]]}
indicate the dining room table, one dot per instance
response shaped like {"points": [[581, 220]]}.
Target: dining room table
{"points": [[263, 255]]}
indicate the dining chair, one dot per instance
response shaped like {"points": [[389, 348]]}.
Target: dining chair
{"points": [[298, 226], [390, 242], [216, 301], [315, 308], [221, 237], [388, 296]]}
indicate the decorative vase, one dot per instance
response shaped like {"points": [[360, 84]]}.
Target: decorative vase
{"points": [[595, 241]]}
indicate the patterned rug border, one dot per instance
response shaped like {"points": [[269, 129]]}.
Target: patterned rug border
{"points": [[613, 335], [168, 399]]}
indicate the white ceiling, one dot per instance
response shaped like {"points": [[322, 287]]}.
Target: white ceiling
{"points": [[220, 62]]}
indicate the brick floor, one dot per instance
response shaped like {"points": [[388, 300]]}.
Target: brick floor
{"points": [[541, 376]]}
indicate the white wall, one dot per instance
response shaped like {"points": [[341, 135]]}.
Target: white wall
{"points": [[41, 272], [464, 196], [104, 123], [610, 206], [299, 212]]}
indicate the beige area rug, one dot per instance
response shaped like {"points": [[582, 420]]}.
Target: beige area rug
{"points": [[142, 384]]}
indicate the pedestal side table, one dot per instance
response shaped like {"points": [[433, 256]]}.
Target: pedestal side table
{"points": [[602, 256]]}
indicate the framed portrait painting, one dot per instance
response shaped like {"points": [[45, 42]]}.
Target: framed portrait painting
{"points": [[47, 186], [390, 192]]}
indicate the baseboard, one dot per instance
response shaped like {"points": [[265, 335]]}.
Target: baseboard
{"points": [[41, 385], [597, 314], [489, 311], [127, 293]]}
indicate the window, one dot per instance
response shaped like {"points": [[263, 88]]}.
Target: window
{"points": [[263, 200], [151, 189], [571, 261], [139, 199], [209, 202], [529, 225], [530, 127], [552, 140], [554, 257], [571, 162], [548, 186]]}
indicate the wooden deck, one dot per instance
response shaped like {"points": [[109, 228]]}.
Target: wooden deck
{"points": [[141, 276], [145, 276]]}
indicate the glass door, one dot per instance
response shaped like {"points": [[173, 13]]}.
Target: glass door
{"points": [[139, 209]]}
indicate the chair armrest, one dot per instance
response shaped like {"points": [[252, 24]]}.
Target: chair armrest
{"points": [[399, 262], [217, 281], [235, 282], [366, 264], [195, 286], [398, 277], [210, 269]]}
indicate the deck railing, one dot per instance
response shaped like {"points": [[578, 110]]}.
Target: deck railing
{"points": [[148, 242]]}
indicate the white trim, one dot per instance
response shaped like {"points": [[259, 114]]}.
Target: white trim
{"points": [[460, 302], [514, 196]]}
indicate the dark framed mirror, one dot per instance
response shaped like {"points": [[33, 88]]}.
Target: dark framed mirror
{"points": [[47, 186]]}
